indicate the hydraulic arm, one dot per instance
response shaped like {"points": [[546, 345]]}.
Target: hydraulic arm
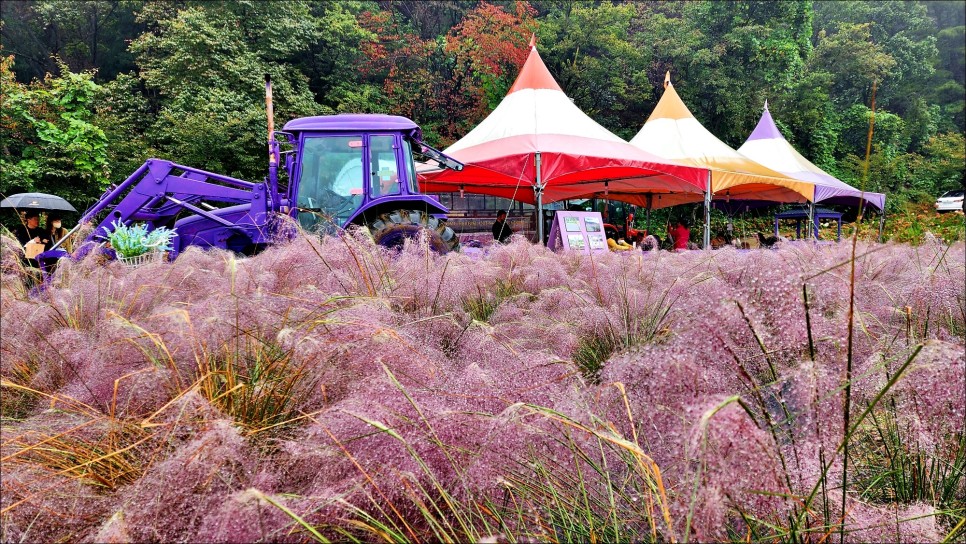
{"points": [[204, 207]]}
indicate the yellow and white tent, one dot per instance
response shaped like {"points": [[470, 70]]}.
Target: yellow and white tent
{"points": [[672, 132]]}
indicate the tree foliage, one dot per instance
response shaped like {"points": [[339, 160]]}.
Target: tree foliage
{"points": [[49, 140], [91, 89]]}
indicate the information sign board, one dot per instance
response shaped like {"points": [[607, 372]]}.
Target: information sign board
{"points": [[577, 231]]}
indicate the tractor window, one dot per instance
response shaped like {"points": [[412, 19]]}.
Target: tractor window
{"points": [[331, 181], [410, 166], [384, 175]]}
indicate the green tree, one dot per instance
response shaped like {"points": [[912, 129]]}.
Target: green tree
{"points": [[50, 143], [203, 66], [814, 124], [949, 83], [945, 162], [922, 122], [589, 51], [889, 132], [887, 173], [332, 60], [853, 61], [891, 17], [430, 18], [447, 84], [907, 33], [728, 57], [88, 35], [951, 43], [126, 116]]}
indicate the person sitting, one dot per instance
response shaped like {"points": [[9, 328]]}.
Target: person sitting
{"points": [[747, 242], [767, 241], [679, 235], [650, 243], [501, 231], [56, 231]]}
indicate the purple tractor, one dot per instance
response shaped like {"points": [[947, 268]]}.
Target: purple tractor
{"points": [[342, 170]]}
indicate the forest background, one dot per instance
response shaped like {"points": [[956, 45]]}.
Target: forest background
{"points": [[90, 89]]}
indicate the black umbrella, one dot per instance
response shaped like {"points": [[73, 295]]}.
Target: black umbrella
{"points": [[36, 201]]}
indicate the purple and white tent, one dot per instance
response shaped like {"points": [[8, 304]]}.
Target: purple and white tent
{"points": [[767, 146]]}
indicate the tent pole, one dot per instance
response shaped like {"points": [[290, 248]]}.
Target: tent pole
{"points": [[707, 214], [538, 188], [881, 223], [650, 201], [811, 231]]}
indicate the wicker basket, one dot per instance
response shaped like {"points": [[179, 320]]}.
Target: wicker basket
{"points": [[143, 259]]}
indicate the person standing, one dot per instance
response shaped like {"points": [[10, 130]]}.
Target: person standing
{"points": [[29, 230], [501, 231], [56, 231], [679, 235], [30, 233]]}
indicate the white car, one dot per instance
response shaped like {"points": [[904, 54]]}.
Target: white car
{"points": [[951, 201]]}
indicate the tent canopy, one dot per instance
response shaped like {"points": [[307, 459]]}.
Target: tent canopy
{"points": [[536, 137], [767, 146], [672, 132]]}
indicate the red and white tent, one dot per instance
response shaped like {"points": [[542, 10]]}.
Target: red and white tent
{"points": [[537, 146]]}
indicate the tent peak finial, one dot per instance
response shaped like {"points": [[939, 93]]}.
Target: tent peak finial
{"points": [[667, 79], [533, 40], [766, 104]]}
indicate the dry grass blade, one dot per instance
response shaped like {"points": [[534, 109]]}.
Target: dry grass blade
{"points": [[107, 462], [255, 382]]}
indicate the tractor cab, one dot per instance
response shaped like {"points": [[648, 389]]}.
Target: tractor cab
{"points": [[348, 169]]}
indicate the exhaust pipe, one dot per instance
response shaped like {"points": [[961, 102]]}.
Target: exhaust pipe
{"points": [[276, 204], [271, 119]]}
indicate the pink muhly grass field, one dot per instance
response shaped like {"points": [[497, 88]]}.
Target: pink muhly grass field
{"points": [[333, 390]]}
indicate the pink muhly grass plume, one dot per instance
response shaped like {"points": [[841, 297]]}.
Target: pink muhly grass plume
{"points": [[887, 523], [10, 253], [245, 517], [172, 498], [24, 325], [932, 397], [41, 506], [488, 381], [64, 461], [741, 461]]}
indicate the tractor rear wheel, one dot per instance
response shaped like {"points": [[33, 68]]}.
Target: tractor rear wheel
{"points": [[393, 228]]}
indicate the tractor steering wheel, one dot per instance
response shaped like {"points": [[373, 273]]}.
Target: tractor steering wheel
{"points": [[340, 203]]}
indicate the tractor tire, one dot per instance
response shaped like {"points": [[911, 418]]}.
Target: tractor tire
{"points": [[393, 228]]}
